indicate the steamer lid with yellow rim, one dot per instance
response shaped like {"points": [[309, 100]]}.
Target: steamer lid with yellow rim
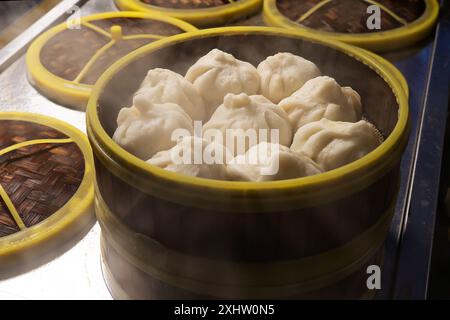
{"points": [[201, 13], [378, 25], [46, 189], [66, 61]]}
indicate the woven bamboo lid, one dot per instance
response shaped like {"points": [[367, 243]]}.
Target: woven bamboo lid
{"points": [[46, 190], [66, 61], [400, 23], [202, 13]]}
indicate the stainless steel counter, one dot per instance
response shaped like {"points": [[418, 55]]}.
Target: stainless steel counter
{"points": [[77, 273]]}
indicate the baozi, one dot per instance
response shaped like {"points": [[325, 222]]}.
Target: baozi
{"points": [[219, 73], [253, 115], [322, 97], [144, 133], [247, 136], [269, 162], [283, 74], [332, 144], [161, 86], [196, 157]]}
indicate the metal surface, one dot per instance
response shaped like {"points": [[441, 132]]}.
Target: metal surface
{"points": [[77, 273], [16, 92], [417, 240], [74, 275], [17, 47], [414, 65], [408, 248]]}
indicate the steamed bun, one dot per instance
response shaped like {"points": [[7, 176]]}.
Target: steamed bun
{"points": [[269, 162], [144, 133], [333, 144], [241, 113], [196, 157], [161, 86], [283, 74], [322, 97], [219, 73]]}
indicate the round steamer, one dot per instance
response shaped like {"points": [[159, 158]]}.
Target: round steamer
{"points": [[201, 13], [126, 281], [65, 62], [402, 23], [172, 234], [46, 190]]}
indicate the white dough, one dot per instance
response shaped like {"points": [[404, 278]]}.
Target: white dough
{"points": [[322, 97], [219, 73], [146, 133], [283, 74], [251, 116], [269, 162], [194, 156], [333, 144], [161, 86], [240, 113]]}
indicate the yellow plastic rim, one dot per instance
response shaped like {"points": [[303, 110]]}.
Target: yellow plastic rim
{"points": [[70, 92], [78, 207], [199, 17], [377, 41], [383, 156]]}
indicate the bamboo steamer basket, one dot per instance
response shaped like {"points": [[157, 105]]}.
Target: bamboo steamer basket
{"points": [[400, 27], [65, 62], [203, 13], [176, 236], [46, 190]]}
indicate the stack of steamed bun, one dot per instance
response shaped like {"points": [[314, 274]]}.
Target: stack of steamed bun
{"points": [[319, 123]]}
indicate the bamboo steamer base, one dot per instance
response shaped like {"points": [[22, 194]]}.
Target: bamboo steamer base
{"points": [[199, 15], [389, 39], [136, 267], [64, 63], [46, 189], [125, 281]]}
